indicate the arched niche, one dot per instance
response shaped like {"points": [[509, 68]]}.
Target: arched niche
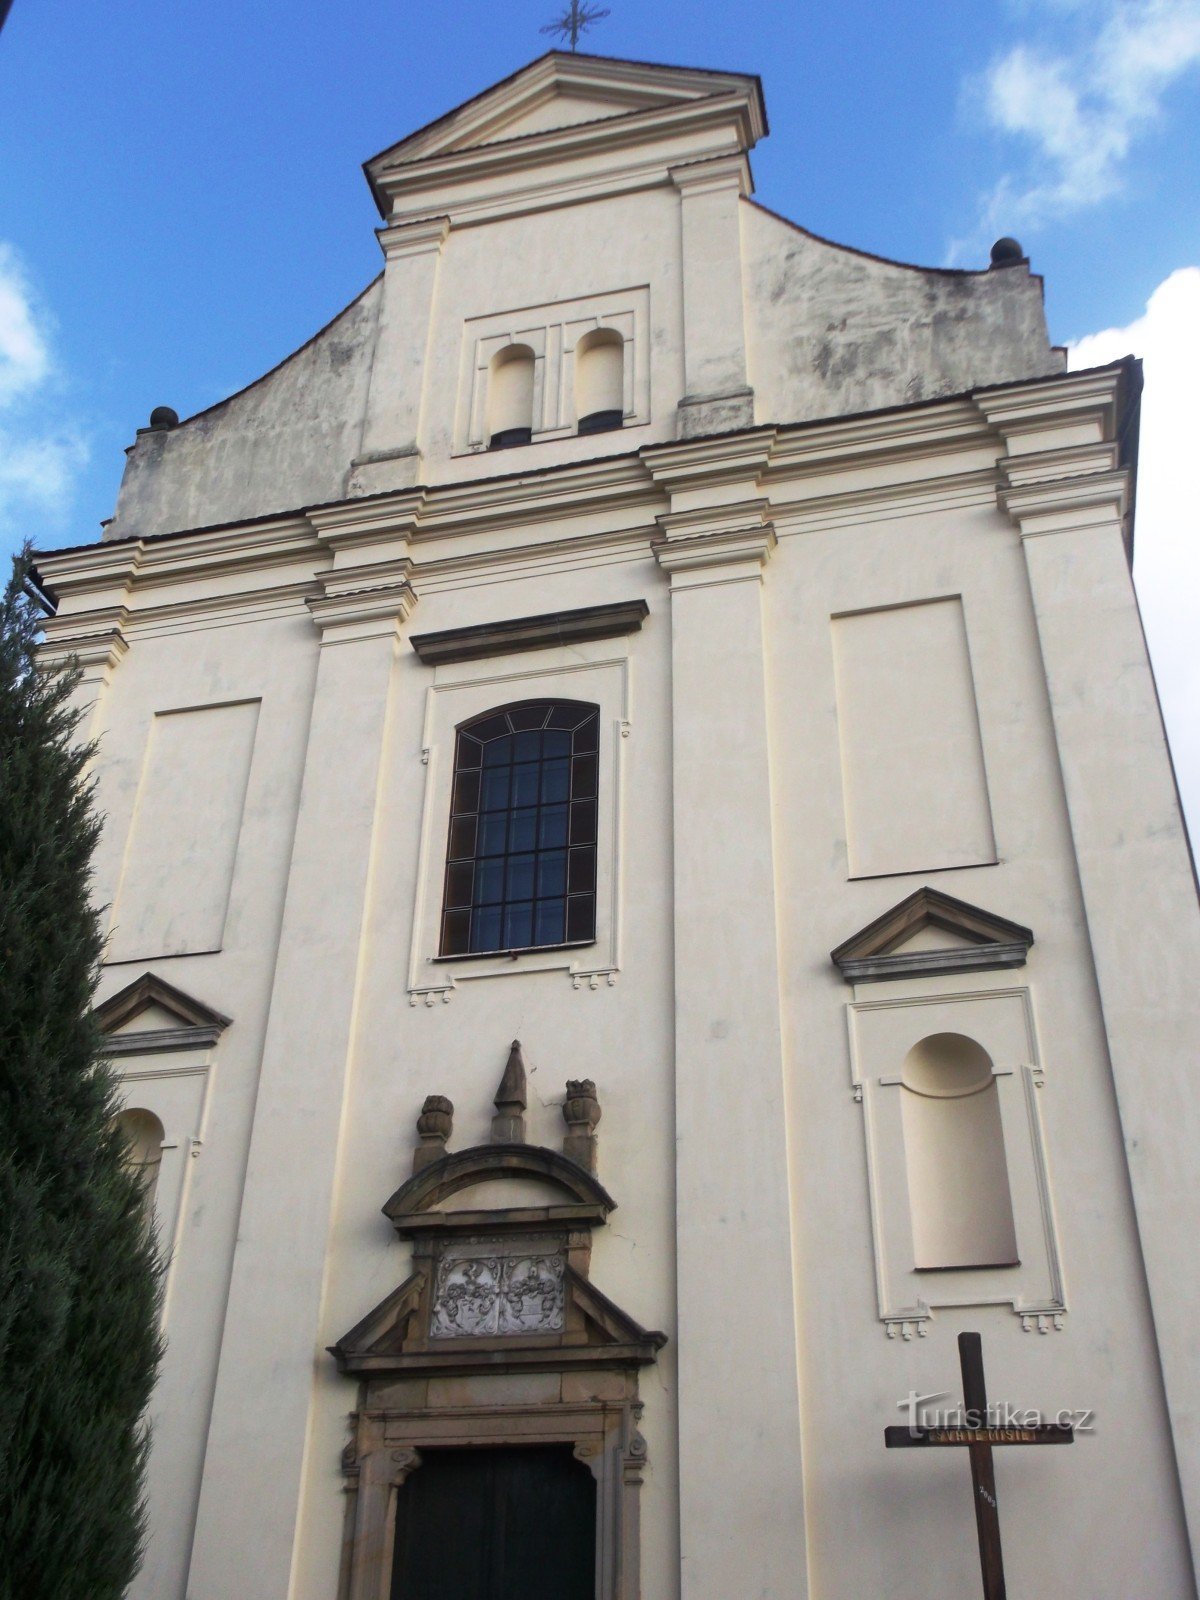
{"points": [[600, 381], [958, 1183], [144, 1135], [510, 397]]}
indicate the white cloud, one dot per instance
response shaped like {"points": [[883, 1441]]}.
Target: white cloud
{"points": [[39, 457], [1167, 551], [24, 359], [1078, 103]]}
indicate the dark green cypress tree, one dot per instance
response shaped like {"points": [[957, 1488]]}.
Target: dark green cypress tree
{"points": [[79, 1279]]}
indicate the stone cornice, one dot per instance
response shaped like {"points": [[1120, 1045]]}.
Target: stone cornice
{"points": [[566, 163], [542, 632], [1068, 504], [825, 470], [1055, 395], [736, 538], [352, 615], [422, 236], [909, 434], [725, 463], [631, 87], [94, 639], [712, 174]]}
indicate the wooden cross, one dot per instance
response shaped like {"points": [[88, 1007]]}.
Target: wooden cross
{"points": [[979, 1439]]}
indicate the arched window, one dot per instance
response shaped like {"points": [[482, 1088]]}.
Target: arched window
{"points": [[954, 1152], [510, 397], [521, 865], [143, 1135], [600, 381]]}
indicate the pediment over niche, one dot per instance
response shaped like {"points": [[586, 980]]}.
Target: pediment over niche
{"points": [[150, 1015], [930, 934]]}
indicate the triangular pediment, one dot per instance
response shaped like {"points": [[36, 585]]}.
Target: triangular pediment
{"points": [[545, 111], [391, 1337], [561, 90], [928, 934], [150, 1014]]}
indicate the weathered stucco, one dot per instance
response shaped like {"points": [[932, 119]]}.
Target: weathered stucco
{"points": [[366, 405], [832, 332], [285, 441]]}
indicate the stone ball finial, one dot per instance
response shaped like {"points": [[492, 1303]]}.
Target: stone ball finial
{"points": [[164, 417], [437, 1116], [581, 1109], [1007, 252], [581, 1113]]}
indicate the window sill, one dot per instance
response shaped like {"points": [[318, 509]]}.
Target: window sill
{"points": [[974, 1266], [522, 950]]}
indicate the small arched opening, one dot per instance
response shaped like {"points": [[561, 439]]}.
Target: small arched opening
{"points": [[600, 381], [510, 397]]}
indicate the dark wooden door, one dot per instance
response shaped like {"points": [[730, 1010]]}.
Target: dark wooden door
{"points": [[505, 1524]]}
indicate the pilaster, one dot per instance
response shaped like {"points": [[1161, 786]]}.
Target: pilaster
{"points": [[1067, 493], [95, 641], [92, 588], [717, 395], [390, 454], [734, 1261], [260, 1412]]}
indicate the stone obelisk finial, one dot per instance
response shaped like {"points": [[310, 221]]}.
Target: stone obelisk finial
{"points": [[508, 1125]]}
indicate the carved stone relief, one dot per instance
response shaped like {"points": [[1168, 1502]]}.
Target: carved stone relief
{"points": [[486, 1287]]}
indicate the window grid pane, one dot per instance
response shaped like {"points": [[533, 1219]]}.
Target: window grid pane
{"points": [[524, 787]]}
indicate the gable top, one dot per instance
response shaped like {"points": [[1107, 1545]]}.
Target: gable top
{"points": [[151, 1014], [566, 105], [931, 933]]}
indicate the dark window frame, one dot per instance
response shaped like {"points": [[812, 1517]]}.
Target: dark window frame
{"points": [[521, 853]]}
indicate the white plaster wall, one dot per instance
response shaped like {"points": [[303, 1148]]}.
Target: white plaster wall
{"points": [[914, 1530], [349, 1059], [273, 660], [620, 1036]]}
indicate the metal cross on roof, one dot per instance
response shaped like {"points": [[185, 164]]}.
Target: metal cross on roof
{"points": [[575, 20]]}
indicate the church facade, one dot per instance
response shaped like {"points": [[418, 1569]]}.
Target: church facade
{"points": [[646, 895]]}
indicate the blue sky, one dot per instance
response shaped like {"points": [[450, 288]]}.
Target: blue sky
{"points": [[181, 203]]}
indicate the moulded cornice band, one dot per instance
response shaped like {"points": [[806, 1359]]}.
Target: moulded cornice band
{"points": [[1060, 394], [362, 613], [90, 647], [701, 462], [712, 174], [727, 548], [1052, 466], [1041, 508], [422, 236], [561, 144], [530, 633], [367, 518]]}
